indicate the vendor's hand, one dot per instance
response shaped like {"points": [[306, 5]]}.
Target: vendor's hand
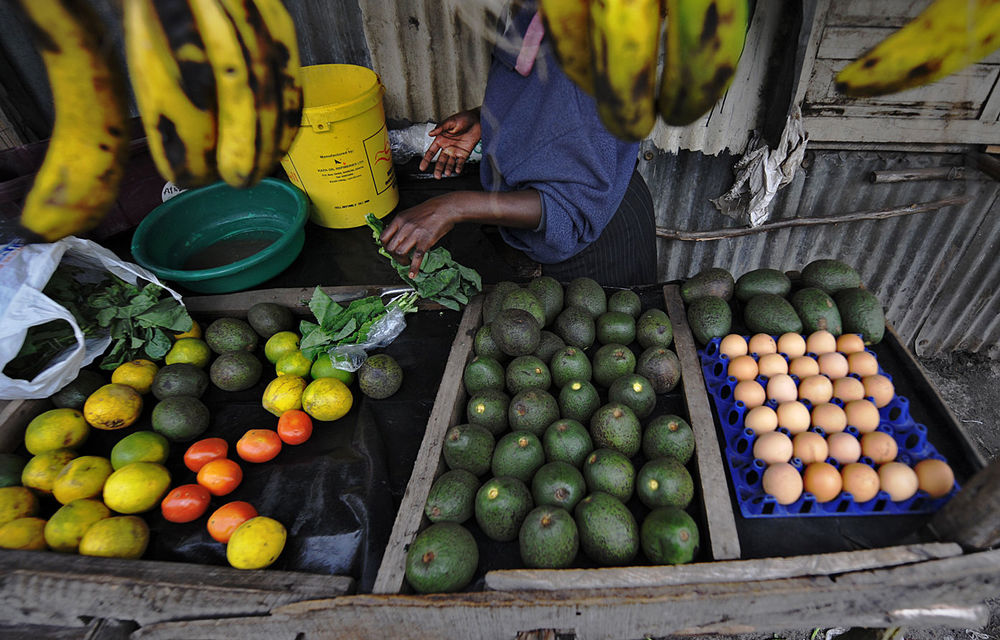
{"points": [[455, 138], [418, 229]]}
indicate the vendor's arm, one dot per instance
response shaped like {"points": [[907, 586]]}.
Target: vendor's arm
{"points": [[455, 138]]}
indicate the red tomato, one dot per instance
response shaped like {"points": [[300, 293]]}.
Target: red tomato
{"points": [[185, 503], [259, 445], [205, 451], [220, 476], [227, 518], [294, 426]]}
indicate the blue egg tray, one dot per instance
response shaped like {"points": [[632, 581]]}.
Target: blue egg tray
{"points": [[746, 471]]}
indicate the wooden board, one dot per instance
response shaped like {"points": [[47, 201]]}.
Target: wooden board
{"points": [[296, 299]]}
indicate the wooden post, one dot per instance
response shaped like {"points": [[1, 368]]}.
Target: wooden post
{"points": [[972, 517]]}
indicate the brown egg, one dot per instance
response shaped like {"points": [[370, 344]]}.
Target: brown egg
{"points": [[862, 364], [793, 416], [761, 420], [733, 345], [750, 393], [820, 342], [863, 415], [772, 447], [822, 480], [762, 343], [816, 389], [783, 481], [771, 364], [860, 480], [803, 367], [833, 365], [781, 388], [879, 388], [810, 447], [829, 417], [898, 480], [844, 448], [850, 343], [934, 477], [879, 446], [742, 368], [792, 345], [848, 388]]}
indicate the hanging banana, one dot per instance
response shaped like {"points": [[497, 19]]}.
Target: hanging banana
{"points": [[568, 23], [947, 36], [285, 58], [704, 43]]}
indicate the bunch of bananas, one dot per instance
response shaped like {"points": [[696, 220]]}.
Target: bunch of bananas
{"points": [[610, 49]]}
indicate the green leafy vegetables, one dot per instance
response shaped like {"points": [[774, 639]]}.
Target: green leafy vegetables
{"points": [[338, 325]]}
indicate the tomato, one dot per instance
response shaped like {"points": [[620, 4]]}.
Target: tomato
{"points": [[294, 427], [259, 445], [220, 476], [185, 503], [205, 451], [227, 518]]}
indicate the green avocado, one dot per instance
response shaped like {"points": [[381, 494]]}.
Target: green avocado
{"points": [[549, 344], [760, 281], [442, 558], [452, 497], [380, 376], [861, 313], [549, 292], [180, 418], [235, 371], [714, 281], [615, 327], [588, 295], [612, 361], [668, 435], [494, 299], [570, 363], [567, 440], [709, 317], [625, 301], [664, 482], [576, 327], [616, 426], [669, 536], [525, 300], [609, 533], [771, 314], [488, 409], [501, 506], [817, 310], [661, 367], [635, 392], [483, 373], [527, 372], [516, 331], [610, 471], [469, 447], [532, 410], [483, 344], [179, 379], [558, 484], [830, 275], [231, 334], [578, 400], [76, 392], [518, 454], [653, 329], [268, 318], [548, 538]]}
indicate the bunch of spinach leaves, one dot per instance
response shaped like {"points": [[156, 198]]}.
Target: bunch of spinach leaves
{"points": [[337, 325]]}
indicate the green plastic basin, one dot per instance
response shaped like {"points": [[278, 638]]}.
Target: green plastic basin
{"points": [[217, 239]]}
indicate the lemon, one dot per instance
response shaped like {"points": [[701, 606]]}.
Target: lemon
{"points": [[83, 477], [327, 399], [256, 543], [293, 363], [66, 527], [136, 487], [141, 446], [117, 537], [56, 429], [23, 533], [16, 502], [40, 472], [113, 406], [137, 374], [193, 332], [279, 344], [323, 368], [284, 393], [189, 351]]}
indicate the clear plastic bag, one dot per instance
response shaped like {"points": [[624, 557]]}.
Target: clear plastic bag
{"points": [[350, 357]]}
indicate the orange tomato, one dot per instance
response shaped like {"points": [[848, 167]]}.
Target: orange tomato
{"points": [[259, 445], [205, 451], [294, 427], [185, 503], [220, 476], [227, 518]]}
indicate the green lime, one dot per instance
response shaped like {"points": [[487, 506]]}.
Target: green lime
{"points": [[141, 446], [293, 363], [323, 367], [279, 344]]}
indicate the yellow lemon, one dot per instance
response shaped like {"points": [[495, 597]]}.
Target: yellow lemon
{"points": [[323, 368], [284, 393], [193, 332], [293, 363], [137, 374], [141, 446], [23, 533], [66, 527], [327, 399], [56, 429], [136, 487], [113, 406], [117, 537], [256, 543], [40, 472], [16, 502], [189, 351], [279, 344], [83, 477]]}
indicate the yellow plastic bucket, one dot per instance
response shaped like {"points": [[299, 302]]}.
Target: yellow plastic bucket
{"points": [[341, 156]]}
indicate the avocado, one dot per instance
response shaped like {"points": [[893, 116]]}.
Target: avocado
{"points": [[483, 373], [518, 454], [501, 505], [830, 275], [760, 281], [616, 426], [532, 410], [484, 345], [625, 301], [11, 466], [231, 334], [452, 497], [576, 327], [494, 299], [442, 558], [488, 409], [709, 317], [653, 329], [862, 313], [470, 447], [669, 536], [548, 345], [615, 327], [525, 300], [380, 376], [612, 361], [578, 400], [567, 440], [558, 484], [550, 293], [817, 311], [610, 471], [527, 372], [569, 363], [516, 332], [771, 314], [268, 318], [180, 418], [661, 367], [609, 534], [179, 379], [588, 295], [548, 538], [76, 392], [714, 281], [664, 482], [668, 435], [235, 371], [635, 392]]}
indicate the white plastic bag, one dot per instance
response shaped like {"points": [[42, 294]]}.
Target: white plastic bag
{"points": [[25, 269]]}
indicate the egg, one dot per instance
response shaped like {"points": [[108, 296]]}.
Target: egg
{"points": [[863, 415], [761, 420], [898, 480], [828, 417], [822, 480], [820, 342], [742, 368], [816, 389], [810, 447], [934, 477], [803, 367], [762, 343], [843, 447], [862, 363], [879, 446], [833, 365], [733, 345], [781, 388], [793, 416], [792, 345], [880, 389], [772, 447], [860, 480], [771, 364], [783, 481], [750, 393], [848, 388], [850, 343]]}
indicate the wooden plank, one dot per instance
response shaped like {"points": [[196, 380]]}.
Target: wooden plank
{"points": [[448, 404], [726, 571], [15, 416], [972, 516], [296, 299], [891, 129], [809, 42], [723, 538]]}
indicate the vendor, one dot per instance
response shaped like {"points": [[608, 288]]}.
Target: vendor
{"points": [[560, 187]]}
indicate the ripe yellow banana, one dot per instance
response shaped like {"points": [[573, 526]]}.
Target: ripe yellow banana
{"points": [[174, 89], [625, 39], [568, 24], [704, 43], [285, 57], [947, 36], [79, 177]]}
